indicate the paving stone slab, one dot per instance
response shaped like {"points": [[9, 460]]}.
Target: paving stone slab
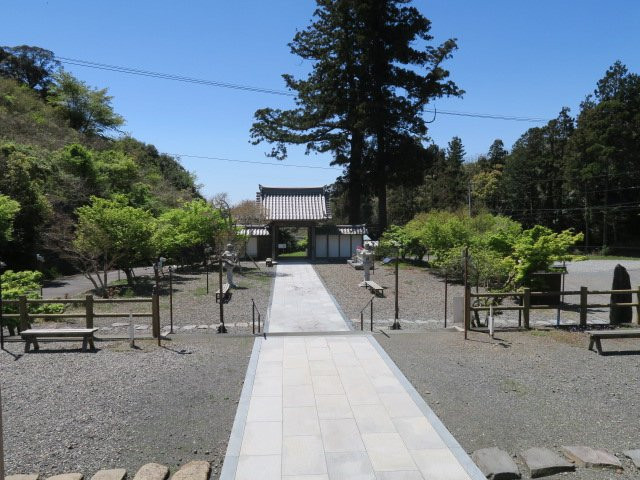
{"points": [[195, 470], [634, 455], [542, 462], [67, 476], [496, 464], [591, 457], [22, 476], [110, 474], [152, 471]]}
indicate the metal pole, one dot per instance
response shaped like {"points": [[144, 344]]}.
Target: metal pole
{"points": [[361, 320], [171, 299], [253, 317], [371, 319], [206, 267], [396, 323], [1, 308], [1, 443], [445, 300], [221, 328], [467, 315]]}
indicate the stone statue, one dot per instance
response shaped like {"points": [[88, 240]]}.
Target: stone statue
{"points": [[230, 260], [367, 262]]}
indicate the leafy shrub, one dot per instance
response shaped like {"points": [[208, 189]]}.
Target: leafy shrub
{"points": [[27, 283]]}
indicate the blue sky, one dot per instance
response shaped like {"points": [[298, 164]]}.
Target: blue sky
{"points": [[515, 58]]}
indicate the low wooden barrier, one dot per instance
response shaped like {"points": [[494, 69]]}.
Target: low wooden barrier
{"points": [[525, 302], [25, 318]]}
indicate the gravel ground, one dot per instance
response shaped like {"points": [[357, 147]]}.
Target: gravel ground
{"points": [[194, 311], [421, 299], [527, 389], [67, 411]]}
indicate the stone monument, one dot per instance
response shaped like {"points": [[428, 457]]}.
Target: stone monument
{"points": [[230, 260]]}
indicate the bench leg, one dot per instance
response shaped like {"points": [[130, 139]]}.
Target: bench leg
{"points": [[598, 346], [36, 345], [591, 344], [27, 344], [91, 344]]}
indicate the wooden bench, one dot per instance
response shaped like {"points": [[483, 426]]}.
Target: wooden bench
{"points": [[374, 287], [595, 336], [226, 294], [31, 336]]}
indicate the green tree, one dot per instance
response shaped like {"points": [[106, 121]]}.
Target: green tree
{"points": [[373, 73], [183, 232], [88, 109], [114, 234], [32, 66], [8, 211]]}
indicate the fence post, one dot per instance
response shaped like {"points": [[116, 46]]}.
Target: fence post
{"points": [[583, 306], [467, 309], [155, 314], [638, 305], [371, 315], [253, 317], [24, 312], [526, 305], [88, 303]]}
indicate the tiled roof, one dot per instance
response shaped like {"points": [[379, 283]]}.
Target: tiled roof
{"points": [[342, 229], [352, 229], [254, 230], [294, 204]]}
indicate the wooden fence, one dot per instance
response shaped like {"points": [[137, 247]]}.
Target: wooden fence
{"points": [[25, 318], [525, 302]]}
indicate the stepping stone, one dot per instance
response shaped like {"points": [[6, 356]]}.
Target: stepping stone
{"points": [[120, 324], [28, 476], [634, 455], [542, 462], [496, 464], [112, 474], [67, 476], [196, 470], [202, 327], [591, 457], [142, 327], [188, 327], [152, 471]]}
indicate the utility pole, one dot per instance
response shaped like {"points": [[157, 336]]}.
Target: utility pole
{"points": [[469, 196]]}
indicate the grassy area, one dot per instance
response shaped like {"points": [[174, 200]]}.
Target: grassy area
{"points": [[302, 254]]}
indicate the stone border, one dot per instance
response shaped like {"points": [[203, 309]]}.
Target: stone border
{"points": [[465, 460], [232, 455]]}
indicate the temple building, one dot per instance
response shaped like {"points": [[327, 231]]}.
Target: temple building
{"points": [[287, 209]]}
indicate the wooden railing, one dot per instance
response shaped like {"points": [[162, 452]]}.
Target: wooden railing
{"points": [[525, 302], [25, 317]]}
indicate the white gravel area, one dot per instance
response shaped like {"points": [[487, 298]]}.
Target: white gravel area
{"points": [[68, 411], [421, 295], [527, 389]]}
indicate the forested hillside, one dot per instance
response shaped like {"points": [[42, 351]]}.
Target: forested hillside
{"points": [[59, 147]]}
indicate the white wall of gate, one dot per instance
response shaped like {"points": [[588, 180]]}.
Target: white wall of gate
{"points": [[337, 246]]}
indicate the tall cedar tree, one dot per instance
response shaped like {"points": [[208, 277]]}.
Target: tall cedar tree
{"points": [[364, 99]]}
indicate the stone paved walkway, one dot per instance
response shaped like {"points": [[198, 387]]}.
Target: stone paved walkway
{"points": [[300, 303], [332, 406]]}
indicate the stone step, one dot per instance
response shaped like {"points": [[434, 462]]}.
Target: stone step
{"points": [[496, 464], [67, 476], [152, 471], [591, 457], [634, 455], [542, 462], [110, 474], [28, 476], [195, 470]]}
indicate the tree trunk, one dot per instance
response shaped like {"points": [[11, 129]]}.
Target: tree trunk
{"points": [[130, 277], [355, 179]]}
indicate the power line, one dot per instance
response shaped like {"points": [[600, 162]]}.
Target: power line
{"points": [[236, 86], [233, 160]]}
